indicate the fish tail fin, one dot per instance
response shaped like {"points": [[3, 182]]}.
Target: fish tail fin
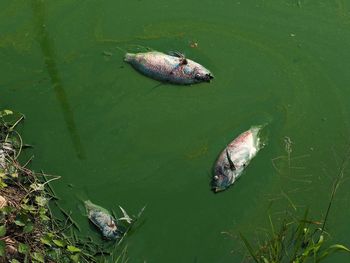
{"points": [[129, 57], [125, 217]]}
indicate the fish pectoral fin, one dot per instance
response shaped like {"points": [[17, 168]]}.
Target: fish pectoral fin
{"points": [[232, 165], [111, 224], [176, 54]]}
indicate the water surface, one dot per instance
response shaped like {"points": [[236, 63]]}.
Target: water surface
{"points": [[118, 138]]}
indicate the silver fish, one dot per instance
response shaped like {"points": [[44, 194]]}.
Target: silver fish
{"points": [[235, 157], [101, 218], [173, 68]]}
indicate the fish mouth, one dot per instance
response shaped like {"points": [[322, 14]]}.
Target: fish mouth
{"points": [[206, 78]]}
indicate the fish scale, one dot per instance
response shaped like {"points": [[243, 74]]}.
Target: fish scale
{"points": [[235, 157], [174, 69]]}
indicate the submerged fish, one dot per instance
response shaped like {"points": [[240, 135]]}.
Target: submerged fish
{"points": [[235, 157], [101, 218], [174, 68]]}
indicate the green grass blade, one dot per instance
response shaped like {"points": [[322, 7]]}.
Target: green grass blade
{"points": [[332, 249], [298, 240], [249, 247]]}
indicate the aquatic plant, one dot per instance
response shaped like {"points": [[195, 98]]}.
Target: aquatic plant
{"points": [[298, 240]]}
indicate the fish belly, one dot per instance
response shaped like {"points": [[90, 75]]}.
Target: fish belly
{"points": [[161, 67], [244, 148]]}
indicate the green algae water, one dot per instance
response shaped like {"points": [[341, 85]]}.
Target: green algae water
{"points": [[119, 138]]}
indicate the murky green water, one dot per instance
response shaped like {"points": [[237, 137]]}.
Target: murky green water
{"points": [[120, 140]]}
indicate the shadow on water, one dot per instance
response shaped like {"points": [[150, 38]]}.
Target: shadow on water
{"points": [[47, 48]]}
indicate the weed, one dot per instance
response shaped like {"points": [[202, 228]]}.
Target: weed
{"points": [[298, 240]]}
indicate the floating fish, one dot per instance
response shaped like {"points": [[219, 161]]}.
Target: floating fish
{"points": [[235, 157], [101, 218], [173, 68]]}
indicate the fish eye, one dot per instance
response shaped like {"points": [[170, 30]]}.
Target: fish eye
{"points": [[197, 76]]}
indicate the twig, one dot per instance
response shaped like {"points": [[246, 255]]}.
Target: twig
{"points": [[21, 144], [15, 124], [30, 159]]}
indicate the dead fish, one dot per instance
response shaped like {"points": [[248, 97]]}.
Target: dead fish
{"points": [[174, 68], [104, 221], [235, 157]]}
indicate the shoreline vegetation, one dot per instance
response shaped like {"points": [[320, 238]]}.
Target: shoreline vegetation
{"points": [[29, 232], [298, 240]]}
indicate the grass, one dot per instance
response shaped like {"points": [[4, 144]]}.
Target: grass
{"points": [[298, 240]]}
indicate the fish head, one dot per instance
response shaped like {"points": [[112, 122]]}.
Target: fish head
{"points": [[201, 74], [222, 179]]}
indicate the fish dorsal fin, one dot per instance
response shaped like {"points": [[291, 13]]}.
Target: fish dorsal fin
{"points": [[183, 61], [232, 165], [176, 54]]}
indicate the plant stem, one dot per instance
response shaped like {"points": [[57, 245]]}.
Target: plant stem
{"points": [[335, 185]]}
